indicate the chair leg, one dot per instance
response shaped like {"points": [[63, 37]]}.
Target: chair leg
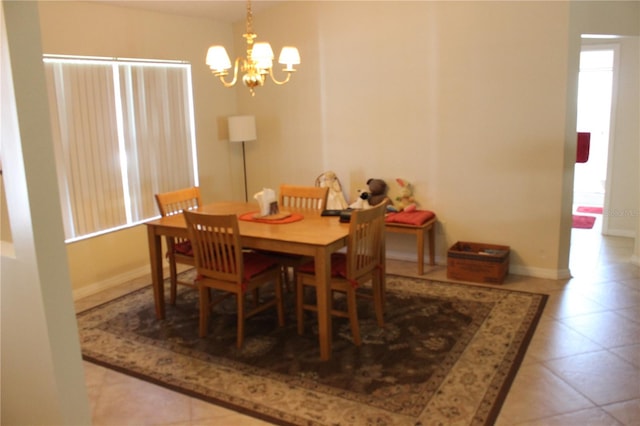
{"points": [[240, 308], [173, 273], [352, 308], [299, 304], [205, 306], [378, 300], [279, 301]]}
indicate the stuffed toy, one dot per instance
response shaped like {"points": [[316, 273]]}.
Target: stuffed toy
{"points": [[404, 200], [335, 198], [376, 194], [362, 202]]}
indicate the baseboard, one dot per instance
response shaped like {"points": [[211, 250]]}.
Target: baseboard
{"points": [[551, 274], [412, 257], [91, 289], [620, 233]]}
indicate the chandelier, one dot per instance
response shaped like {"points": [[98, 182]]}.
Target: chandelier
{"points": [[258, 63]]}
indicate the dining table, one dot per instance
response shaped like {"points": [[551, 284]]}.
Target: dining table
{"points": [[311, 235]]}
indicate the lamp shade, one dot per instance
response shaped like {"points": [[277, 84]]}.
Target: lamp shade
{"points": [[242, 128], [262, 54], [289, 56], [218, 59]]}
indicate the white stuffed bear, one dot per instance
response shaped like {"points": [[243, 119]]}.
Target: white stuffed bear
{"points": [[362, 201]]}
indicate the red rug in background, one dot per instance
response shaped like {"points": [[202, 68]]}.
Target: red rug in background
{"points": [[583, 222], [584, 209]]}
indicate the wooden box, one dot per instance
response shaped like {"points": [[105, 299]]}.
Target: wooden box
{"points": [[478, 262]]}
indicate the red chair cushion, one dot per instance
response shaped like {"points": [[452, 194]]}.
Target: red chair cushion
{"points": [[338, 266], [416, 217], [184, 248], [256, 263]]}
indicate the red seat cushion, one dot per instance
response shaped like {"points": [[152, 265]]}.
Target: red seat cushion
{"points": [[338, 266], [416, 217], [184, 248], [256, 263]]}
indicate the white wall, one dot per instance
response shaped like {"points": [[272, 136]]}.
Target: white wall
{"points": [[42, 375], [465, 100], [472, 102]]}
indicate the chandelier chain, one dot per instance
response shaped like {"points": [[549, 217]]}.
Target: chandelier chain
{"points": [[249, 18]]}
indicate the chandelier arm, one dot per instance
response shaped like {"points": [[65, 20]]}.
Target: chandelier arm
{"points": [[235, 75], [280, 83]]}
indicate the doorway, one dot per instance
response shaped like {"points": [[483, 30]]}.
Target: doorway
{"points": [[598, 65], [595, 92]]}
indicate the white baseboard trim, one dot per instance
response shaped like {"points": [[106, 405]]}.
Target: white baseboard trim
{"points": [[408, 257], [91, 289], [620, 233], [551, 274]]}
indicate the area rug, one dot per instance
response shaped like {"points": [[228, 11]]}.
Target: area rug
{"points": [[589, 209], [583, 222], [447, 355]]}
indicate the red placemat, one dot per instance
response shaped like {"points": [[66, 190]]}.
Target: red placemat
{"points": [[250, 217]]}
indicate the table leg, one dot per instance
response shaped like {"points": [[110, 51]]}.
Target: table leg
{"points": [[323, 295], [155, 258], [420, 237], [383, 272]]}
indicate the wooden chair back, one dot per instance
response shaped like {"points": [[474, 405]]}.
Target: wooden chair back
{"points": [[175, 202], [179, 249], [216, 245], [365, 241], [221, 264], [303, 197]]}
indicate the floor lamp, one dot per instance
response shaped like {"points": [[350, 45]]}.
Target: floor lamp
{"points": [[242, 128]]}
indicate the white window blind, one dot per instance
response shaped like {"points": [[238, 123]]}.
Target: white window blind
{"points": [[123, 131]]}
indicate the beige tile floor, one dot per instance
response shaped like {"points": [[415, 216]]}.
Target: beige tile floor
{"points": [[582, 366]]}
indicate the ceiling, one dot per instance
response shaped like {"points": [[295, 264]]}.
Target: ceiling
{"points": [[226, 11]]}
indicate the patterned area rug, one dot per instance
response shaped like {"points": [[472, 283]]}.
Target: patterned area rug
{"points": [[447, 355]]}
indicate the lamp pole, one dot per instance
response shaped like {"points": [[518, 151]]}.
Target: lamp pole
{"points": [[244, 169], [243, 129]]}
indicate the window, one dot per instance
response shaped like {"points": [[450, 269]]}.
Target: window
{"points": [[123, 130]]}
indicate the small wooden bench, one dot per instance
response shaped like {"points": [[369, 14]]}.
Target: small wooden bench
{"points": [[419, 231]]}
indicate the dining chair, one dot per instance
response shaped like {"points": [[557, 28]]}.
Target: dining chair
{"points": [[362, 262], [178, 249], [222, 265], [309, 199]]}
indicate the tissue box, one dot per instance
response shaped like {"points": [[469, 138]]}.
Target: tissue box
{"points": [[478, 262]]}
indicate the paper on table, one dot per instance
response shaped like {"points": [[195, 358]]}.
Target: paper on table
{"points": [[267, 201]]}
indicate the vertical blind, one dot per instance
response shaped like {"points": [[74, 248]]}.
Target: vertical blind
{"points": [[123, 131]]}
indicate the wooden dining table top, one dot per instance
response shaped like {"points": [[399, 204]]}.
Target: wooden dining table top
{"points": [[312, 230]]}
